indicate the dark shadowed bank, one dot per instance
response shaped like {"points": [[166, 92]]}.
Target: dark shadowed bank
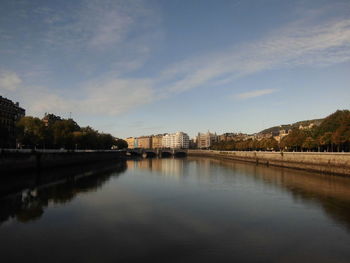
{"points": [[33, 160], [26, 196]]}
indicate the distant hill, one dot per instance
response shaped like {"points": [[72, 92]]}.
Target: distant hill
{"points": [[276, 129]]}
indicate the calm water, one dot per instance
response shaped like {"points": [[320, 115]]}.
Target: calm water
{"points": [[175, 210]]}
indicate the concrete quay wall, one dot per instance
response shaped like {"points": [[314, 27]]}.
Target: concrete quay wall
{"points": [[28, 160], [331, 163]]}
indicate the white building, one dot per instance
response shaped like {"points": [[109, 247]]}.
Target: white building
{"points": [[176, 140], [166, 141]]}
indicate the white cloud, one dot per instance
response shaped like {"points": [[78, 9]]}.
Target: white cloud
{"points": [[297, 44], [294, 45], [101, 25], [107, 97], [9, 81], [116, 96], [110, 29], [254, 94]]}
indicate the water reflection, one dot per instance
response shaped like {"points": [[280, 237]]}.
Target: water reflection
{"points": [[331, 193], [177, 210], [26, 197], [165, 167]]}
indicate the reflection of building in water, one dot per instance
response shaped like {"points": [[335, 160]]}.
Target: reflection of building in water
{"points": [[168, 167], [172, 167], [145, 164]]}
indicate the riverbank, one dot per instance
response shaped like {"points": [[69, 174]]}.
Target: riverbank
{"points": [[322, 162], [29, 160]]}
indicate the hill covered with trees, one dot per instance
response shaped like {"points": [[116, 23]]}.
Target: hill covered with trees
{"points": [[330, 134], [276, 129]]}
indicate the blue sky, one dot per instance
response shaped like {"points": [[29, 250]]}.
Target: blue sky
{"points": [[135, 68]]}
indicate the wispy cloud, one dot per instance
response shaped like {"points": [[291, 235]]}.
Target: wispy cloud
{"points": [[109, 28], [100, 25], [107, 97], [9, 81], [297, 44], [254, 94]]}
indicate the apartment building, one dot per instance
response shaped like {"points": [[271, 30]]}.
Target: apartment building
{"points": [[132, 142], [176, 140], [10, 113], [205, 140], [157, 141], [144, 142]]}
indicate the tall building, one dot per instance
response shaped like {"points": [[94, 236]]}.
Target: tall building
{"points": [[181, 140], [132, 142], [166, 141], [176, 140], [144, 142], [205, 140], [157, 141], [10, 113]]}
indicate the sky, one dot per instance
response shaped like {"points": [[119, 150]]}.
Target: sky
{"points": [[133, 68]]}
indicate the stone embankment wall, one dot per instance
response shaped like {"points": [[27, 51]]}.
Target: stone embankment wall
{"points": [[26, 160], [332, 163]]}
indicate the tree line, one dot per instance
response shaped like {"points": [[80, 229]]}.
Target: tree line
{"points": [[332, 135], [57, 133]]}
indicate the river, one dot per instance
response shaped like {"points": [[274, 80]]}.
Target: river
{"points": [[175, 210]]}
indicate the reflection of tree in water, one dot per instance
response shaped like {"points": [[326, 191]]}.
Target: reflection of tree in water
{"points": [[29, 205], [332, 193]]}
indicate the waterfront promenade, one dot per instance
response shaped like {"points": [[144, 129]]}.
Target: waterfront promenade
{"points": [[323, 162]]}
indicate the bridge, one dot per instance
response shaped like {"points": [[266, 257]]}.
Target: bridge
{"points": [[164, 152]]}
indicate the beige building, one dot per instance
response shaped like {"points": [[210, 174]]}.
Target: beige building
{"points": [[205, 140], [144, 142], [157, 141], [131, 142]]}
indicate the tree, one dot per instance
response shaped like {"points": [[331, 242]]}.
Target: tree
{"points": [[30, 132], [121, 144], [309, 143], [325, 140], [294, 140], [62, 132]]}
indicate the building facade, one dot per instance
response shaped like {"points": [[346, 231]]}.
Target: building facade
{"points": [[10, 113], [176, 140], [144, 142], [205, 140], [157, 141], [132, 142]]}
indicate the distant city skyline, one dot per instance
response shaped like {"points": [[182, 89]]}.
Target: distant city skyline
{"points": [[133, 68]]}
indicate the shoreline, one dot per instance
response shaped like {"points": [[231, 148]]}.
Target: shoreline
{"points": [[14, 161], [326, 163]]}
